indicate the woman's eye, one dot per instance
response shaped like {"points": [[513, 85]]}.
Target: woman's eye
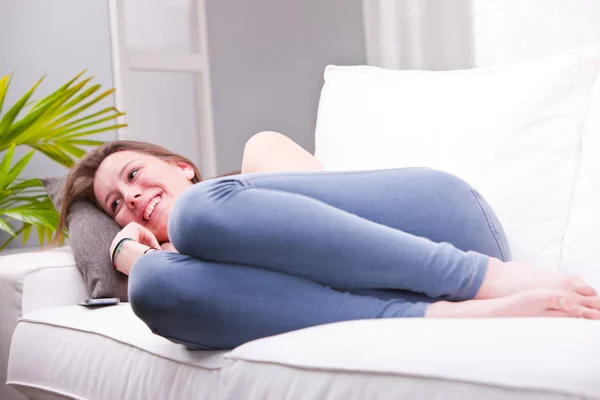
{"points": [[132, 174], [114, 205]]}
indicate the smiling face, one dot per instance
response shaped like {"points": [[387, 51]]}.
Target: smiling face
{"points": [[137, 187]]}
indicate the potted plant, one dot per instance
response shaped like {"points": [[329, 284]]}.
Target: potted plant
{"points": [[58, 126]]}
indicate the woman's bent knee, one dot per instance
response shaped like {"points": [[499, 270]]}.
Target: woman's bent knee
{"points": [[200, 214], [177, 296], [498, 235], [148, 287], [487, 233], [466, 218]]}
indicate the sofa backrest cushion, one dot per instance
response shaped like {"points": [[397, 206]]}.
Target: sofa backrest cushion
{"points": [[512, 131], [582, 237]]}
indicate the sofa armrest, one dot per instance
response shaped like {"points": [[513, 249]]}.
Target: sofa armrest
{"points": [[42, 279], [31, 281]]}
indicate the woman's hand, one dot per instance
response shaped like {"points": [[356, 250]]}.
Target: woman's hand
{"points": [[133, 249], [138, 233], [167, 246]]}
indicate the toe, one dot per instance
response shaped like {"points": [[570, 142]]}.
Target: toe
{"points": [[556, 314], [589, 301], [580, 287], [586, 290], [558, 300], [588, 313]]}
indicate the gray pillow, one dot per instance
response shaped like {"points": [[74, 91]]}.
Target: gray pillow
{"points": [[91, 232]]}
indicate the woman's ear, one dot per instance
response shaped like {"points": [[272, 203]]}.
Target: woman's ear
{"points": [[187, 170]]}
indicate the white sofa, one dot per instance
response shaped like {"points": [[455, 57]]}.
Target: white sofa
{"points": [[62, 351], [526, 135]]}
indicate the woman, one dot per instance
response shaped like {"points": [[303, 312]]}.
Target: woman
{"points": [[285, 245]]}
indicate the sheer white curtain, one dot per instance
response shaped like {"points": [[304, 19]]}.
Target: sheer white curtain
{"points": [[454, 34], [419, 34]]}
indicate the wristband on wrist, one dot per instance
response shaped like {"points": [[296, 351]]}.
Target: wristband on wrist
{"points": [[117, 249], [148, 249]]}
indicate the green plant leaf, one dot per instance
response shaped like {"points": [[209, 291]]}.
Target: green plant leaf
{"points": [[43, 205], [44, 218], [63, 87], [27, 183], [55, 153], [26, 232], [33, 117], [17, 201], [93, 131], [85, 106], [58, 104], [35, 198], [40, 123], [40, 232], [74, 150], [88, 117], [61, 90], [5, 226], [7, 179], [21, 194], [28, 128], [65, 132], [21, 199], [4, 84], [12, 113], [5, 164], [10, 239], [59, 126], [84, 142], [76, 101], [69, 83], [82, 96]]}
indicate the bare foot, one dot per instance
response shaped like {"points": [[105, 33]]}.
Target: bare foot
{"points": [[506, 278], [528, 303]]}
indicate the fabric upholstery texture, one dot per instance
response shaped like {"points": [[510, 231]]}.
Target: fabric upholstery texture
{"points": [[91, 232]]}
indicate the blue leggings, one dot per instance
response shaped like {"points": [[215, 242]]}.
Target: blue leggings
{"points": [[267, 253]]}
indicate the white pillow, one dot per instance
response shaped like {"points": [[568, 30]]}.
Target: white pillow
{"points": [[512, 131], [582, 238]]}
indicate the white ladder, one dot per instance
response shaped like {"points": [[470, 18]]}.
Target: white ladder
{"points": [[125, 60]]}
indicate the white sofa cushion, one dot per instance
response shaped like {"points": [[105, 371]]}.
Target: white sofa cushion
{"points": [[422, 359], [105, 353], [580, 246], [512, 131], [108, 353]]}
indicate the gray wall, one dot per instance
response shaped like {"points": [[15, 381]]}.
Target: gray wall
{"points": [[267, 59], [58, 38], [266, 56]]}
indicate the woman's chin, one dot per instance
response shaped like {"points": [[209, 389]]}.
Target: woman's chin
{"points": [[161, 232], [159, 222]]}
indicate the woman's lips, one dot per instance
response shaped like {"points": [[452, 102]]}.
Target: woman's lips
{"points": [[150, 208]]}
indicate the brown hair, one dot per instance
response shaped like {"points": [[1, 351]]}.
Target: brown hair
{"points": [[80, 182]]}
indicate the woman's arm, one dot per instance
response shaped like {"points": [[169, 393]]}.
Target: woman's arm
{"points": [[272, 151], [130, 250], [128, 255]]}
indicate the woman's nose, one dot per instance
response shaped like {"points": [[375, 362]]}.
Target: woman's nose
{"points": [[132, 199]]}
